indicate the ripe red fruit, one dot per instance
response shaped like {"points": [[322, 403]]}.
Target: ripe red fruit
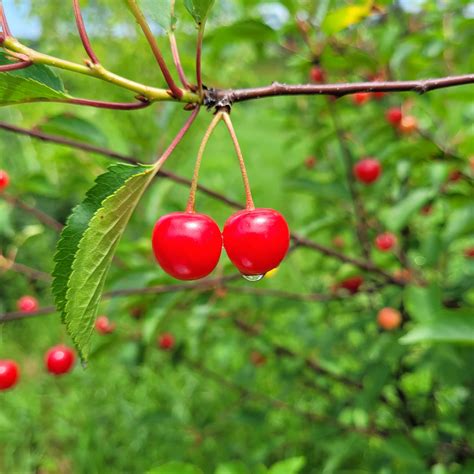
{"points": [[378, 95], [385, 241], [104, 326], [27, 304], [360, 98], [187, 245], [317, 74], [9, 374], [367, 170], [454, 176], [426, 210], [59, 360], [310, 162], [469, 253], [338, 242], [257, 240], [4, 180], [389, 318], [394, 115], [166, 341], [351, 284]]}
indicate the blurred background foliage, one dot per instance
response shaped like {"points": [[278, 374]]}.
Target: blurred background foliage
{"points": [[228, 398]]}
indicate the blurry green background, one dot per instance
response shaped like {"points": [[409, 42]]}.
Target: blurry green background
{"points": [[205, 402]]}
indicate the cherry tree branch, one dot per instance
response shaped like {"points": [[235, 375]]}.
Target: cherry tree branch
{"points": [[220, 97], [83, 33]]}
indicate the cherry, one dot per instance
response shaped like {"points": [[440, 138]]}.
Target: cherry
{"points": [[394, 115], [469, 252], [187, 245], [317, 74], [257, 358], [378, 95], [27, 304], [4, 180], [256, 240], [385, 241], [454, 176], [59, 360], [9, 374], [352, 284], [338, 242], [408, 124], [361, 98], [166, 341], [367, 170], [104, 326], [389, 318], [426, 210], [310, 162]]}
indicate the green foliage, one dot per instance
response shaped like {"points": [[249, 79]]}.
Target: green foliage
{"points": [[199, 9]]}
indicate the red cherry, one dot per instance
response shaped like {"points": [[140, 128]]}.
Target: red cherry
{"points": [[338, 242], [59, 360], [469, 252], [389, 318], [360, 98], [27, 304], [104, 326], [378, 95], [426, 210], [310, 162], [317, 74], [9, 374], [352, 284], [187, 245], [454, 176], [385, 241], [4, 180], [367, 170], [257, 240], [394, 115], [166, 341]]}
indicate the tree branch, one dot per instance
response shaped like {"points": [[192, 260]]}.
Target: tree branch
{"points": [[214, 97]]}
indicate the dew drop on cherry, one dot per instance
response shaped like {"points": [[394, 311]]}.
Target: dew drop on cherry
{"points": [[253, 277]]}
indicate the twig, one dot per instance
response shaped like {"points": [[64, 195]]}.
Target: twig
{"points": [[15, 66], [100, 104], [83, 33], [7, 264]]}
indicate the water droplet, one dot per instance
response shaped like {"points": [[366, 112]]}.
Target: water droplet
{"points": [[253, 277]]}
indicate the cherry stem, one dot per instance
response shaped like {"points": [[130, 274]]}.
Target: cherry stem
{"points": [[199, 58], [141, 20], [194, 183], [249, 204], [159, 163], [15, 66], [4, 23], [83, 33]]}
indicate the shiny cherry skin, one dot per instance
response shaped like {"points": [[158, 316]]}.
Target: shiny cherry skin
{"points": [[4, 180], [59, 360], [166, 341], [9, 374], [187, 245], [367, 170], [361, 98], [27, 304], [385, 241], [394, 116], [317, 74], [256, 240], [389, 319], [104, 326]]}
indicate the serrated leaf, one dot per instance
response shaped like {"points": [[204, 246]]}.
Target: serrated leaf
{"points": [[87, 245], [341, 18], [199, 9], [72, 126], [36, 82]]}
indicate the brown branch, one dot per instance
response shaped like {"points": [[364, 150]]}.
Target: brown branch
{"points": [[83, 33], [7, 264], [214, 97]]}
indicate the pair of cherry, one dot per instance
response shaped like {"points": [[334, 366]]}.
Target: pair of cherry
{"points": [[188, 245]]}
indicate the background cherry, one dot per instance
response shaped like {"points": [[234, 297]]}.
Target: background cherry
{"points": [[257, 240], [166, 341], [317, 74], [385, 241], [367, 170], [4, 180], [394, 115], [351, 284], [389, 318], [9, 374], [187, 245], [27, 304], [360, 98], [104, 326], [59, 360]]}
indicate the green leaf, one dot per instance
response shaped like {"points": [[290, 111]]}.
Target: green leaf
{"points": [[87, 245], [158, 11], [460, 222], [175, 468], [288, 466], [342, 18], [199, 9], [235, 467], [398, 216], [243, 30], [77, 128], [36, 82]]}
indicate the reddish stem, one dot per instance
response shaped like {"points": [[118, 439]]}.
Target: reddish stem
{"points": [[4, 23], [15, 66], [83, 33], [199, 58], [177, 62], [108, 105]]}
